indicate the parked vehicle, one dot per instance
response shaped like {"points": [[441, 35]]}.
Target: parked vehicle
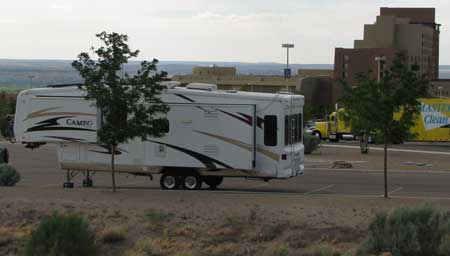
{"points": [[433, 123], [211, 134]]}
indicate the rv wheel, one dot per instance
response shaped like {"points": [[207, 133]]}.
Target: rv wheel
{"points": [[192, 182], [169, 181], [213, 181]]}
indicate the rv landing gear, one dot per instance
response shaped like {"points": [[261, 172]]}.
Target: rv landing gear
{"points": [[70, 174], [68, 185], [88, 182], [213, 181]]}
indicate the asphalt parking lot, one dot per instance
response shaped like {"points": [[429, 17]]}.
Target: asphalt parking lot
{"points": [[39, 169]]}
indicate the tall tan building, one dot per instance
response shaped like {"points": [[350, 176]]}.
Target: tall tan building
{"points": [[413, 31]]}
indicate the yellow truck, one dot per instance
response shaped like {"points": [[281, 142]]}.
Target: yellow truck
{"points": [[432, 124]]}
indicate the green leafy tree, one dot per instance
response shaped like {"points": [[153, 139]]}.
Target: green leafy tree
{"points": [[370, 105], [4, 111], [130, 106]]}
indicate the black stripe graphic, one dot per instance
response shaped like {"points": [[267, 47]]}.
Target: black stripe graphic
{"points": [[259, 120], [206, 160], [185, 97], [245, 120], [52, 125], [59, 96], [65, 138]]}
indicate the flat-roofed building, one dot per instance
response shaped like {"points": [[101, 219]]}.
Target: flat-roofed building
{"points": [[314, 84], [409, 30]]}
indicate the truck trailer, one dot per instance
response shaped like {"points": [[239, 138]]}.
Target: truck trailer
{"points": [[431, 125], [211, 134]]}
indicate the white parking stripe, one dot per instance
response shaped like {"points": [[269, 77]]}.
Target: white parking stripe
{"points": [[319, 189], [392, 149], [395, 190]]}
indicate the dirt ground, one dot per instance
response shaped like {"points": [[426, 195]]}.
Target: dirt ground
{"points": [[328, 153], [199, 223]]}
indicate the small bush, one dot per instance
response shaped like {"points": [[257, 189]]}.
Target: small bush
{"points": [[156, 217], [444, 247], [281, 250], [183, 254], [253, 214], [270, 232], [112, 235], [68, 235], [9, 176], [310, 142], [408, 231], [234, 222], [321, 250]]}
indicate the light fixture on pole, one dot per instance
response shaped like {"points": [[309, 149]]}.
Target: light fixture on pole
{"points": [[31, 80], [287, 71], [380, 60], [440, 91]]}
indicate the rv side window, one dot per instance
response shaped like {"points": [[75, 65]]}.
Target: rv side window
{"points": [[162, 125], [300, 127], [270, 130]]}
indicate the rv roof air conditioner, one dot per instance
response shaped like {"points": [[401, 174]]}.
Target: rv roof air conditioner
{"points": [[201, 86], [170, 84]]}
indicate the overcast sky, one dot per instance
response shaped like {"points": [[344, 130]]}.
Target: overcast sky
{"points": [[198, 30]]}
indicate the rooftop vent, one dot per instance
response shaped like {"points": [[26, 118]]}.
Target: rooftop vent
{"points": [[285, 92], [201, 86], [170, 84]]}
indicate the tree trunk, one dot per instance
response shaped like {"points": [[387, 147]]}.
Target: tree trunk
{"points": [[385, 168], [113, 171]]}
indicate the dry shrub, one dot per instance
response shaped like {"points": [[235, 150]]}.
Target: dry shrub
{"points": [[321, 250], [412, 231], [281, 250], [270, 232], [9, 176], [156, 216], [59, 234], [112, 235], [156, 247], [297, 240]]}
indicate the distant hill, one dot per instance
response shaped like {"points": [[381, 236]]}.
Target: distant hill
{"points": [[21, 73]]}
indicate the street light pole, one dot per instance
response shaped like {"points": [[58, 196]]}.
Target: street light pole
{"points": [[31, 80], [382, 60], [287, 71]]}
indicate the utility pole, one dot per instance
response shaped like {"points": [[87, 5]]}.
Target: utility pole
{"points": [[287, 71]]}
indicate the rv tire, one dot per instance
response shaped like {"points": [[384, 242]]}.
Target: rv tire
{"points": [[169, 181], [213, 181], [318, 134], [192, 181]]}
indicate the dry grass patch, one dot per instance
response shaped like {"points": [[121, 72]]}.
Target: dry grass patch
{"points": [[160, 247], [156, 216], [321, 250], [112, 235]]}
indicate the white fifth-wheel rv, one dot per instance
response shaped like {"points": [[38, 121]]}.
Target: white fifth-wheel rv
{"points": [[211, 134]]}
